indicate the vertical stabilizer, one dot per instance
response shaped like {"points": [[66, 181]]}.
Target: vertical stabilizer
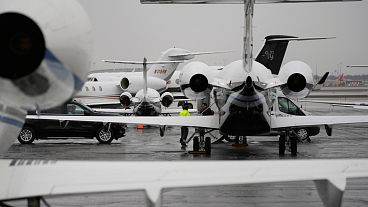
{"points": [[273, 52], [165, 71], [145, 79]]}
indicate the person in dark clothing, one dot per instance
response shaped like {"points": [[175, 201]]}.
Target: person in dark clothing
{"points": [[184, 129]]}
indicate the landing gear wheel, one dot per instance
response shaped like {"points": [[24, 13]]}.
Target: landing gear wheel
{"points": [[293, 145], [207, 145], [196, 144], [104, 135], [303, 134], [26, 135], [162, 131], [282, 140]]}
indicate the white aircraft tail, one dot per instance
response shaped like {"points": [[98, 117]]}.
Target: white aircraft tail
{"points": [[145, 79], [165, 71]]}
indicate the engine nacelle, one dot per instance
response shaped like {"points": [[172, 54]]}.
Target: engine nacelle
{"points": [[125, 99], [45, 50], [298, 79], [133, 84], [195, 79], [167, 99]]}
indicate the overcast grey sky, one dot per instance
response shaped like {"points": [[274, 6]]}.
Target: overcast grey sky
{"points": [[127, 30]]}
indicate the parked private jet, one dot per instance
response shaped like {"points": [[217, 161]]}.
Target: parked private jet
{"points": [[244, 91], [108, 88]]}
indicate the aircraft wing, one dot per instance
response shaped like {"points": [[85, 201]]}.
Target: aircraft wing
{"points": [[211, 122], [296, 121], [357, 66], [355, 105], [21, 179], [130, 111]]}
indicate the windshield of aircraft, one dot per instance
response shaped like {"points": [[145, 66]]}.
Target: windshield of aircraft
{"points": [[288, 107]]}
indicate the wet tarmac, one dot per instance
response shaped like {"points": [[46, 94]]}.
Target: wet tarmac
{"points": [[347, 141]]}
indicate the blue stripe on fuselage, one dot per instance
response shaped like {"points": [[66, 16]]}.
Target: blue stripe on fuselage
{"points": [[60, 70], [11, 121]]}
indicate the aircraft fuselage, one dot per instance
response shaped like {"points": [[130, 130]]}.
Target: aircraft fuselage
{"points": [[245, 112]]}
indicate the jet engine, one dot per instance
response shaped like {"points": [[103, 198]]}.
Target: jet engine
{"points": [[195, 79], [133, 84], [167, 99], [125, 99], [45, 50], [298, 79]]}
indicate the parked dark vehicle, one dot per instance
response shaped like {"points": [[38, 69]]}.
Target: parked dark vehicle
{"points": [[43, 129], [287, 107]]}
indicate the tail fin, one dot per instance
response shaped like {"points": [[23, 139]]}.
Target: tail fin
{"points": [[273, 51], [165, 71], [145, 79]]}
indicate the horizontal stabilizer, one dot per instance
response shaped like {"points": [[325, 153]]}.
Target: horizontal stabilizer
{"points": [[190, 54], [300, 38], [141, 62]]}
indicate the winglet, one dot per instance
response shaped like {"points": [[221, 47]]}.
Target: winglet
{"points": [[331, 191], [323, 79], [153, 196]]}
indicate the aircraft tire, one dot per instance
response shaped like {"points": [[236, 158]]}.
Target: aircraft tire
{"points": [[27, 135], [162, 131], [207, 145], [282, 141], [196, 144], [293, 145]]}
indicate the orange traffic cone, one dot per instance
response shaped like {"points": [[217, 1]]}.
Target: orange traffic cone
{"points": [[140, 126]]}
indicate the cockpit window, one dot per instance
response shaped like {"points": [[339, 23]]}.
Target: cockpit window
{"points": [[288, 107]]}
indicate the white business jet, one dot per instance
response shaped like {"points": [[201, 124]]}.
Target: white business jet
{"points": [[244, 92], [110, 88]]}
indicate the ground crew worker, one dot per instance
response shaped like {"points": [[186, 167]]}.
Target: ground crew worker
{"points": [[184, 129]]}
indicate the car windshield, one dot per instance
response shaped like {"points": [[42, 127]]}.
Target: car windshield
{"points": [[287, 106]]}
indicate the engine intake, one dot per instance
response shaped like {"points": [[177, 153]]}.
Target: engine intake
{"points": [[167, 99], [124, 83], [298, 79], [198, 83], [194, 80], [296, 82], [22, 45], [125, 99]]}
